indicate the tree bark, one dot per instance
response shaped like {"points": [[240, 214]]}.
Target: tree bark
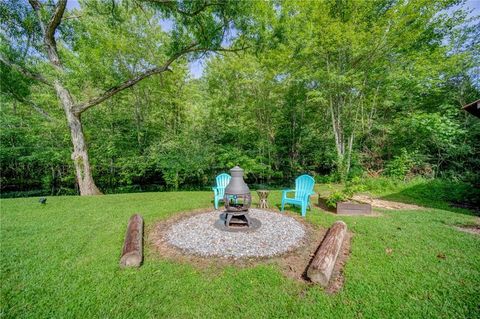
{"points": [[338, 134], [80, 158]]}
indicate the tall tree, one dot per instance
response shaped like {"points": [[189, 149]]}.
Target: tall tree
{"points": [[198, 27], [359, 52]]}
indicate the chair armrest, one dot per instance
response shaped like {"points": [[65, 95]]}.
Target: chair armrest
{"points": [[306, 197], [285, 191], [215, 190]]}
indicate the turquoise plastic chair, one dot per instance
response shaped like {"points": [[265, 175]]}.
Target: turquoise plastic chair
{"points": [[219, 190], [303, 190]]}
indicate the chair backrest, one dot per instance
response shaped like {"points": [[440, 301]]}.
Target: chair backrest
{"points": [[303, 184], [222, 182]]}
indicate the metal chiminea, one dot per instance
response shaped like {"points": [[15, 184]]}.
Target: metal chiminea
{"points": [[237, 194], [237, 200]]}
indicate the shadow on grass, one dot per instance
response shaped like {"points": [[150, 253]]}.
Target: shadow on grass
{"points": [[296, 209], [289, 208], [450, 196]]}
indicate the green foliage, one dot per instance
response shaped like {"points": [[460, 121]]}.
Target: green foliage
{"points": [[353, 186], [350, 188], [400, 165], [438, 193], [335, 197], [440, 139], [423, 190], [392, 75]]}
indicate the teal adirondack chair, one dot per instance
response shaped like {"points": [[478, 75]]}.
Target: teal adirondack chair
{"points": [[303, 190], [219, 190]]}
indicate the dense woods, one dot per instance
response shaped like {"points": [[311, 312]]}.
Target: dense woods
{"points": [[100, 94]]}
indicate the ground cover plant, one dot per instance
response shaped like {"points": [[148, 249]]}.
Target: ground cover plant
{"points": [[61, 260]]}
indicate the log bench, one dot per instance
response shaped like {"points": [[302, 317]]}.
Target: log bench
{"points": [[321, 267], [132, 252]]}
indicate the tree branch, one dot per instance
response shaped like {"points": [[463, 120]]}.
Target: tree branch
{"points": [[174, 4], [80, 108], [37, 108], [49, 29], [35, 5], [55, 20], [25, 72]]}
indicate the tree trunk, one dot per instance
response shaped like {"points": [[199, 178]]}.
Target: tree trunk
{"points": [[349, 154], [85, 182], [80, 159], [339, 143]]}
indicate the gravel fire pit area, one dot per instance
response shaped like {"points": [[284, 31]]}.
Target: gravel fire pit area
{"points": [[197, 235]]}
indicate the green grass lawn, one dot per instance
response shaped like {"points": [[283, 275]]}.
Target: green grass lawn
{"points": [[60, 260]]}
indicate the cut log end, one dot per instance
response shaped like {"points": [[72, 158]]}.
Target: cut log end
{"points": [[132, 259], [318, 278], [321, 268], [132, 253]]}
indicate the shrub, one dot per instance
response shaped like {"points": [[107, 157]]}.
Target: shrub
{"points": [[400, 166], [335, 197]]}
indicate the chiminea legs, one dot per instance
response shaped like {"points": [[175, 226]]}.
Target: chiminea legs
{"points": [[229, 219], [237, 219]]}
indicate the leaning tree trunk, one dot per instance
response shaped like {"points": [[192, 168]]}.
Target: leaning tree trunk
{"points": [[80, 159], [79, 156]]}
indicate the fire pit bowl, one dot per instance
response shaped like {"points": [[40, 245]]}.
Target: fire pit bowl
{"points": [[237, 202], [237, 194]]}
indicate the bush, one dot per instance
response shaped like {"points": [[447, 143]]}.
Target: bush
{"points": [[335, 197], [400, 166]]}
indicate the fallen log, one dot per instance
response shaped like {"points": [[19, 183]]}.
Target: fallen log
{"points": [[132, 247], [321, 268]]}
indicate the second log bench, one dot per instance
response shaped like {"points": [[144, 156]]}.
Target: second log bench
{"points": [[321, 268]]}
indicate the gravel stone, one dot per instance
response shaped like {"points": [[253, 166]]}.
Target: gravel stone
{"points": [[278, 234]]}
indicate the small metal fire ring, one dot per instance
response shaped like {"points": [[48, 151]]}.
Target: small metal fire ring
{"points": [[221, 221]]}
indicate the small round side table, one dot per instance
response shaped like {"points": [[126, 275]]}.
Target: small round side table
{"points": [[263, 195]]}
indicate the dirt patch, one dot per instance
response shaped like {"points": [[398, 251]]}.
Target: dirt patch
{"points": [[475, 229], [384, 204], [292, 264], [471, 229]]}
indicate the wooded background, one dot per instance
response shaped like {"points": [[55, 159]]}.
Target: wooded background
{"points": [[337, 89]]}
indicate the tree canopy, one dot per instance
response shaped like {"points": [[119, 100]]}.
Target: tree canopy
{"points": [[101, 94]]}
